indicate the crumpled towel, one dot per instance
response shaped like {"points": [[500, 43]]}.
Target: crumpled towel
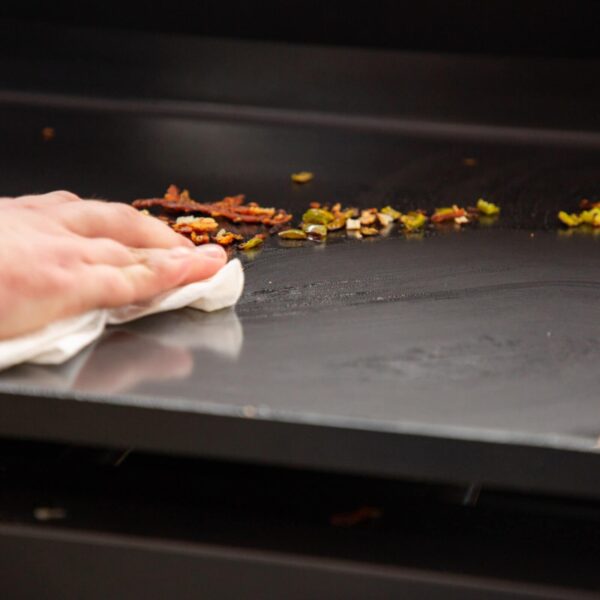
{"points": [[59, 341]]}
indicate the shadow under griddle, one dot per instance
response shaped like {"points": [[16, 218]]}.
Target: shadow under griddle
{"points": [[156, 348]]}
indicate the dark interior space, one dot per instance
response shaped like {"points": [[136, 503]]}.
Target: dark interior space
{"points": [[532, 27]]}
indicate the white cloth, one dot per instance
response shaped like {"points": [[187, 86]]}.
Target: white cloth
{"points": [[57, 342]]}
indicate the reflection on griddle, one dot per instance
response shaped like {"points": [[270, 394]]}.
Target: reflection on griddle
{"points": [[219, 332], [156, 348]]}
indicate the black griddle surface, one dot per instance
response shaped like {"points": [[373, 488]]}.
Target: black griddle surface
{"points": [[464, 355]]}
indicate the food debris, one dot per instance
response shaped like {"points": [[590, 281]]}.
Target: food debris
{"points": [[368, 216], [349, 213], [182, 220], [292, 234], [49, 513], [570, 220], [352, 224], [302, 177], [320, 216], [230, 207], [413, 221], [354, 234], [337, 223], [355, 517], [203, 222], [196, 224], [369, 231], [384, 219], [487, 208], [199, 228], [590, 216], [388, 210], [327, 219], [253, 243], [199, 238], [226, 238], [442, 215], [48, 133], [315, 232]]}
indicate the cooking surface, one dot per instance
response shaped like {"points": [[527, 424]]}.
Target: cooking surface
{"points": [[381, 334], [489, 334]]}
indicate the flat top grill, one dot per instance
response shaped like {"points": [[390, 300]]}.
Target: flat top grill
{"points": [[467, 355]]}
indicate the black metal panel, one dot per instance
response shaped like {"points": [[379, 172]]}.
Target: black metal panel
{"points": [[52, 565], [134, 525]]}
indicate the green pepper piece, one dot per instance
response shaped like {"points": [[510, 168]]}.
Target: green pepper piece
{"points": [[413, 221], [487, 208], [292, 234], [319, 216], [590, 217], [571, 220], [388, 210], [254, 242], [337, 223]]}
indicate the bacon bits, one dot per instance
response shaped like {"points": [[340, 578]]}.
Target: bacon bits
{"points": [[231, 208]]}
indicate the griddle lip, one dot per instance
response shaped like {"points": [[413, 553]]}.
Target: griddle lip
{"points": [[324, 447]]}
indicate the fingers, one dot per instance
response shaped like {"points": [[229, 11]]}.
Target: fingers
{"points": [[98, 251], [41, 200], [121, 222], [157, 271], [206, 261], [94, 251], [63, 288]]}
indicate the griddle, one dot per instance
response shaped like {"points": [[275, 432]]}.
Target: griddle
{"points": [[464, 356]]}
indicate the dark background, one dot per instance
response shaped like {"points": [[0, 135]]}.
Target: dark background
{"points": [[531, 27]]}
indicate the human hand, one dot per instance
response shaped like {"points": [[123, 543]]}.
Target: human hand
{"points": [[61, 256]]}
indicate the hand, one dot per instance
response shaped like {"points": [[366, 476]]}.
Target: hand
{"points": [[61, 256]]}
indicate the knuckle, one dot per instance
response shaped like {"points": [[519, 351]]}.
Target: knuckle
{"points": [[63, 255], [66, 196]]}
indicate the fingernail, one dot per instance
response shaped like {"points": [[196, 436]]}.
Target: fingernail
{"points": [[211, 251]]}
